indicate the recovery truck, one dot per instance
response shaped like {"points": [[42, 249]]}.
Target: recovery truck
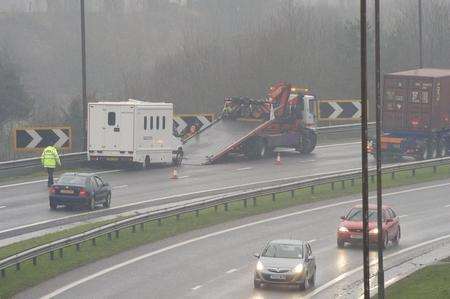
{"points": [[415, 115], [255, 127]]}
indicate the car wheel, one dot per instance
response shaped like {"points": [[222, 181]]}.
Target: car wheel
{"points": [[340, 243], [312, 280], [305, 284], [92, 204], [256, 284], [53, 205], [107, 202]]}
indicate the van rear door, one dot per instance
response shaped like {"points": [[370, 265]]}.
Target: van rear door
{"points": [[117, 127]]}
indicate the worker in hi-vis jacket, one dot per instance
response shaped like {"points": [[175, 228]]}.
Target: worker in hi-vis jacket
{"points": [[49, 160]]}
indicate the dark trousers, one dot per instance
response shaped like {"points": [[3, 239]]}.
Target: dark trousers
{"points": [[50, 176]]}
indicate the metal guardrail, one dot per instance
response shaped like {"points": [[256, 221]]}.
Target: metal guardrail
{"points": [[34, 162], [81, 156], [195, 207]]}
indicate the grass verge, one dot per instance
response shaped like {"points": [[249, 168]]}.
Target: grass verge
{"points": [[30, 275], [429, 282]]}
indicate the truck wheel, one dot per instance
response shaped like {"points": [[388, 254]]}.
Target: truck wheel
{"points": [[308, 142], [433, 150], [423, 154], [256, 148], [442, 148]]}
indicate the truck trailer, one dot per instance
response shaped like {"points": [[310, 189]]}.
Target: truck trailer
{"points": [[415, 114], [133, 132], [255, 127]]}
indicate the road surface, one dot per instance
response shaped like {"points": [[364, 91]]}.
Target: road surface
{"points": [[25, 206], [217, 262]]}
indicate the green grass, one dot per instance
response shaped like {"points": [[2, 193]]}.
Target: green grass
{"points": [[30, 275], [429, 282], [12, 249]]}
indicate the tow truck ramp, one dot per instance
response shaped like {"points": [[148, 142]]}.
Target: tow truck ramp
{"points": [[219, 138]]}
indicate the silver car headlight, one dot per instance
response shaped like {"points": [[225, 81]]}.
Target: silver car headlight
{"points": [[259, 266], [298, 269]]}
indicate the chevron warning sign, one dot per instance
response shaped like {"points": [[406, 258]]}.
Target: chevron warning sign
{"points": [[182, 122], [32, 139], [339, 109]]}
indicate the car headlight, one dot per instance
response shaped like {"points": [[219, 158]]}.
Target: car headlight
{"points": [[298, 269], [374, 231], [259, 266], [343, 229]]}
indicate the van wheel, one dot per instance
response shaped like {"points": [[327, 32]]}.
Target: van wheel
{"points": [[53, 205], [147, 162]]}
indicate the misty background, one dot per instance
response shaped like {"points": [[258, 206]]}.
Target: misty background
{"points": [[195, 52]]}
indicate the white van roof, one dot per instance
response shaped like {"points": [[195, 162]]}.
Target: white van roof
{"points": [[133, 102]]}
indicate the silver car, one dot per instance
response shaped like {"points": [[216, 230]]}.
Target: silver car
{"points": [[287, 262]]}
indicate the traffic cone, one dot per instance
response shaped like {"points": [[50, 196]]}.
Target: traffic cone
{"points": [[174, 174], [278, 160]]}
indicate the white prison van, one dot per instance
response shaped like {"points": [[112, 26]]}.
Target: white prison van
{"points": [[132, 131]]}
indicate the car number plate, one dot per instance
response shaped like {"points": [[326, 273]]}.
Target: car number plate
{"points": [[66, 191], [278, 276], [356, 237], [112, 159]]}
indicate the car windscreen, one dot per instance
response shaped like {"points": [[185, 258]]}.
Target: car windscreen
{"points": [[72, 180], [288, 251], [356, 215]]}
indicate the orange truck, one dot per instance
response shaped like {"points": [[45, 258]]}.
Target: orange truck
{"points": [[255, 127]]}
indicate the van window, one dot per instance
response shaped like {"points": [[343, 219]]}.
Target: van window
{"points": [[151, 122], [157, 123], [415, 97], [164, 123], [425, 97], [111, 118], [145, 122]]}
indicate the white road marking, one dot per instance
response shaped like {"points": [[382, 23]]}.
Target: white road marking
{"points": [[338, 144], [118, 170], [306, 161], [45, 180], [168, 198], [183, 177], [231, 271], [374, 262], [403, 216], [2, 207], [196, 287], [312, 241], [108, 171], [386, 284], [236, 228], [22, 184], [120, 187], [243, 168]]}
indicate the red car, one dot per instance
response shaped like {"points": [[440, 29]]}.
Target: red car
{"points": [[350, 228]]}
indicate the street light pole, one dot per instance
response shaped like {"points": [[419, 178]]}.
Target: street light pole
{"points": [[420, 35], [364, 164], [83, 77], [378, 150]]}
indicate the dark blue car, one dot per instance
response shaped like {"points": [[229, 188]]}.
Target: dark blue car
{"points": [[80, 189]]}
